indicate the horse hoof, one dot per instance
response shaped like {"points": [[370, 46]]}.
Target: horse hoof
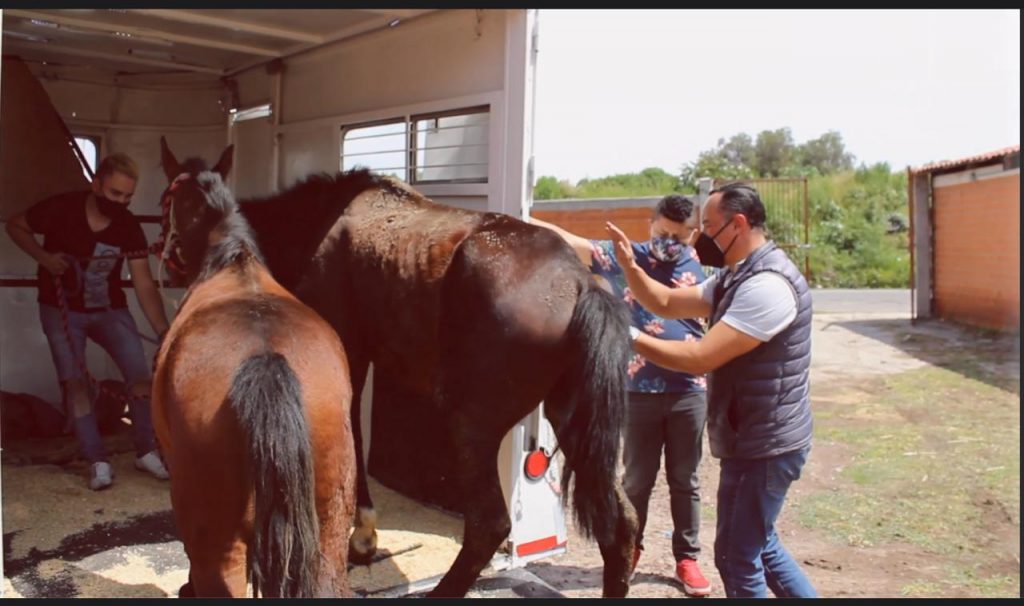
{"points": [[362, 550], [362, 545]]}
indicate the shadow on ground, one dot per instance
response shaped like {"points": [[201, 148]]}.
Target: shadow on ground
{"points": [[983, 355], [100, 538]]}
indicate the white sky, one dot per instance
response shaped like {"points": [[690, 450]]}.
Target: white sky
{"points": [[619, 91]]}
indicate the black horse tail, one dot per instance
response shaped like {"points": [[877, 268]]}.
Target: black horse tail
{"points": [[284, 556], [590, 440]]}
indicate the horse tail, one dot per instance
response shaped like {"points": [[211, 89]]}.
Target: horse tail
{"points": [[599, 329], [284, 555]]}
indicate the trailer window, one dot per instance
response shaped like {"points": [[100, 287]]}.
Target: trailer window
{"points": [[90, 147], [251, 113], [381, 147], [451, 147], [440, 147]]}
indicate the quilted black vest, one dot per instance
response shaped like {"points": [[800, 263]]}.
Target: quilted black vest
{"points": [[759, 403]]}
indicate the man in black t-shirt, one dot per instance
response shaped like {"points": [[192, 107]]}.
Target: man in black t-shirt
{"points": [[86, 237]]}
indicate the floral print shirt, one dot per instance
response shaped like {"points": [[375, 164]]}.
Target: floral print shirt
{"points": [[645, 376]]}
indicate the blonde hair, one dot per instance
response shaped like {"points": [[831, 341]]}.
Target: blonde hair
{"points": [[118, 162]]}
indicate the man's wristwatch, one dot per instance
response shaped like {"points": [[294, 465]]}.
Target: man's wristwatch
{"points": [[634, 332]]}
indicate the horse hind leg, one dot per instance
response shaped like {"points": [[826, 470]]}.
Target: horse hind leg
{"points": [[362, 545], [617, 555], [486, 521], [215, 574]]}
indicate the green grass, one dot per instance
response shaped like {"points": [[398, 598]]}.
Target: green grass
{"points": [[936, 464]]}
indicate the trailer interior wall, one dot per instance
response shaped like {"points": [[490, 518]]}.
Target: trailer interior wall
{"points": [[441, 61], [126, 117], [130, 118]]}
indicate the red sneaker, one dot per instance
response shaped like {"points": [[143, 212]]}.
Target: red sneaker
{"points": [[694, 584]]}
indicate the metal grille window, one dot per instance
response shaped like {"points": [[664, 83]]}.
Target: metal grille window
{"points": [[442, 147]]}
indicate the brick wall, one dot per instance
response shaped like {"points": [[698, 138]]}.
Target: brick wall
{"points": [[589, 223], [977, 252]]}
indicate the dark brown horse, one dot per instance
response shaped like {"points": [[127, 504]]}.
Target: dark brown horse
{"points": [[481, 313], [251, 403]]}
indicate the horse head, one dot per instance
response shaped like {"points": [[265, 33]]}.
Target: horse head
{"points": [[193, 166], [198, 211]]}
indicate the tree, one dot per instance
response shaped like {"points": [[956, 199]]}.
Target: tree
{"points": [[773, 152], [738, 150], [826, 154], [550, 188]]}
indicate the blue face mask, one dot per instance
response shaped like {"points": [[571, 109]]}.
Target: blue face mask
{"points": [[666, 249]]}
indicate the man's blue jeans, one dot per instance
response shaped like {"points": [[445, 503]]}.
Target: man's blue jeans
{"points": [[748, 553], [116, 332]]}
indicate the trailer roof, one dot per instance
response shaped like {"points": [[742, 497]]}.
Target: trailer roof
{"points": [[210, 42]]}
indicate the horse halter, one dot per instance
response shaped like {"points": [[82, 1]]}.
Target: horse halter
{"points": [[171, 254]]}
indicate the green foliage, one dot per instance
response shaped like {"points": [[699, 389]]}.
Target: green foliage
{"points": [[853, 240], [648, 182], [550, 188], [826, 154], [773, 152], [859, 227]]}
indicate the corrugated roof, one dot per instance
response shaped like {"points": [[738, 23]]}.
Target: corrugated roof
{"points": [[980, 158]]}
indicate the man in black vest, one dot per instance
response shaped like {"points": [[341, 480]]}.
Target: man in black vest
{"points": [[757, 354]]}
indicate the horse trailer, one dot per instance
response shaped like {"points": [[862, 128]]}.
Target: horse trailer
{"points": [[442, 99]]}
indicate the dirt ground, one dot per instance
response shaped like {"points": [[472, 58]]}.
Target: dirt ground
{"points": [[58, 534], [852, 352]]}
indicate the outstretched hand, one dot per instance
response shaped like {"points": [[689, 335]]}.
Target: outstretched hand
{"points": [[621, 244]]}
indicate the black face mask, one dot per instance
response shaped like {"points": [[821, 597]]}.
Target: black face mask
{"points": [[708, 251], [109, 208]]}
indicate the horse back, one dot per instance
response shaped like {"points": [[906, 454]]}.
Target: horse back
{"points": [[412, 261], [396, 247], [228, 319], [517, 285]]}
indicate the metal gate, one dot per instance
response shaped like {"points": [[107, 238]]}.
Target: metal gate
{"points": [[787, 206]]}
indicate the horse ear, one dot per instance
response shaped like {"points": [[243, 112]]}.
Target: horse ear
{"points": [[171, 167], [224, 164]]}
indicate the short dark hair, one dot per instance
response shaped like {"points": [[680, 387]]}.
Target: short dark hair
{"points": [[675, 208], [740, 198]]}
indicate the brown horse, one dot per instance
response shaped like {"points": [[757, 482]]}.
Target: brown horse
{"points": [[251, 408], [481, 314]]}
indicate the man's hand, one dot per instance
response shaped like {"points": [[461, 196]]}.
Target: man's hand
{"points": [[54, 263], [623, 248]]}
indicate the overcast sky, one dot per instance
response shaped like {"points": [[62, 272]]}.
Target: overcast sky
{"points": [[619, 91]]}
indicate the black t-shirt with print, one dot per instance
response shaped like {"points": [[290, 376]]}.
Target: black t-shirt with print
{"points": [[65, 228]]}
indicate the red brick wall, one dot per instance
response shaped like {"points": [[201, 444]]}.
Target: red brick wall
{"points": [[977, 252], [589, 223]]}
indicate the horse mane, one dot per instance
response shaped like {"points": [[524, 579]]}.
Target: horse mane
{"points": [[238, 242], [292, 223]]}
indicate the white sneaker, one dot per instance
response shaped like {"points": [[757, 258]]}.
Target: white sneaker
{"points": [[102, 476], [151, 463]]}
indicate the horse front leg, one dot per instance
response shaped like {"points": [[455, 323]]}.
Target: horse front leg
{"points": [[362, 545], [486, 521]]}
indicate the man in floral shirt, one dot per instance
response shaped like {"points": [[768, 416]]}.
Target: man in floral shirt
{"points": [[667, 409]]}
